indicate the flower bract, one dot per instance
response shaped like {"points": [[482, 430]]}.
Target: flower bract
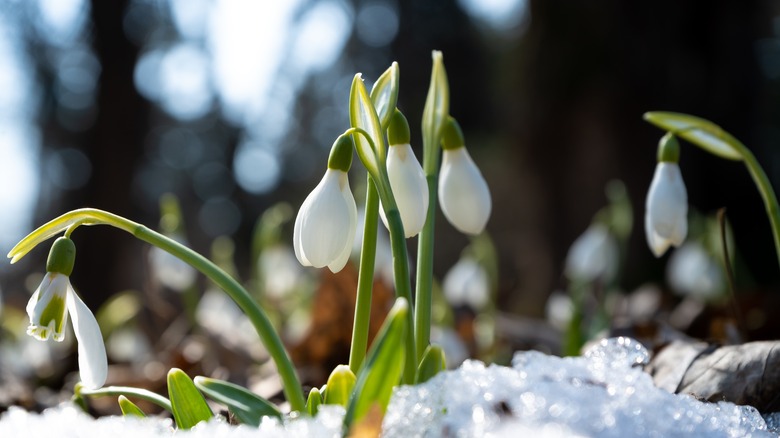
{"points": [[463, 192], [48, 310], [410, 188], [666, 211], [325, 225]]}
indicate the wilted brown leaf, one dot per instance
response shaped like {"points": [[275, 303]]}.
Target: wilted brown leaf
{"points": [[746, 374]]}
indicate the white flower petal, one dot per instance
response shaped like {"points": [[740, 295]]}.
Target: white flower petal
{"points": [[410, 188], [463, 192], [657, 244], [53, 287], [297, 232], [340, 261], [93, 364], [325, 224], [666, 209]]}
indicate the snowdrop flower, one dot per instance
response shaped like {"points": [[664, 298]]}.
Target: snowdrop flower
{"points": [[325, 226], [173, 272], [467, 283], [666, 209], [593, 255], [407, 179], [50, 305], [463, 192], [694, 272]]}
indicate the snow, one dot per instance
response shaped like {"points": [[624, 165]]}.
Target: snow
{"points": [[604, 393]]}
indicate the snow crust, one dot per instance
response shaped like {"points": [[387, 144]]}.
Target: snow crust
{"points": [[605, 393]]}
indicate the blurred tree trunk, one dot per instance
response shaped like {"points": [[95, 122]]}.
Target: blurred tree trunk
{"points": [[108, 259]]}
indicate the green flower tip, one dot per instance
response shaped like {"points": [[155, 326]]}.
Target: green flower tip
{"points": [[668, 149], [398, 130], [452, 135], [341, 153], [340, 384], [62, 256]]}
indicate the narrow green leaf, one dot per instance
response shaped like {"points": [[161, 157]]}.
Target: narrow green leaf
{"points": [[432, 363], [247, 406], [437, 108], [362, 114], [383, 367], [313, 402], [189, 406], [384, 94], [701, 132], [143, 394], [340, 385], [129, 408]]}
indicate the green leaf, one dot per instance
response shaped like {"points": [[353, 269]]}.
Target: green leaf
{"points": [[129, 408], [432, 363], [384, 94], [383, 367], [340, 385], [143, 394], [701, 132], [247, 406], [437, 108], [313, 402], [189, 406], [362, 114]]}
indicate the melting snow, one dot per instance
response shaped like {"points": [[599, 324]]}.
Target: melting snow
{"points": [[605, 393]]}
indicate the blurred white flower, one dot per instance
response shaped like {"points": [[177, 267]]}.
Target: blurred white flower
{"points": [[559, 310], [463, 192], [692, 271], [281, 273], [594, 255], [325, 225], [467, 283], [173, 272], [48, 310], [410, 188], [666, 222]]}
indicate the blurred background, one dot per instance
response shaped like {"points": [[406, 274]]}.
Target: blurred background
{"points": [[232, 106]]}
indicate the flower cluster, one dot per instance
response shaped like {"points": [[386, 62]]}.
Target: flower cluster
{"points": [[325, 225]]}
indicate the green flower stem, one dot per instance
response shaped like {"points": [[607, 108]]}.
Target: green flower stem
{"points": [[89, 216], [357, 350], [127, 391], [403, 287], [435, 113], [766, 191], [424, 294]]}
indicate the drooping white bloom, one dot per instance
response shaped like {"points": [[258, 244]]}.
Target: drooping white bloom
{"points": [[407, 180], [48, 310], [694, 272], [173, 272], [325, 225], [593, 255], [666, 210], [467, 283], [463, 192]]}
